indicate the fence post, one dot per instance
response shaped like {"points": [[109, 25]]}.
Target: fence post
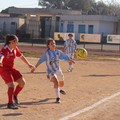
{"points": [[101, 46]]}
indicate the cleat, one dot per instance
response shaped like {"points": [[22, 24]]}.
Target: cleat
{"points": [[12, 106], [16, 100], [62, 92], [58, 100], [70, 70]]}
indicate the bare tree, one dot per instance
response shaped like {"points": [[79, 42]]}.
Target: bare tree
{"points": [[87, 6], [114, 7]]}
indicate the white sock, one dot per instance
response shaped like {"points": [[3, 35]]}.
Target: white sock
{"points": [[57, 92], [70, 66]]}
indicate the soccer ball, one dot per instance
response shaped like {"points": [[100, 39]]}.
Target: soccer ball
{"points": [[81, 53]]}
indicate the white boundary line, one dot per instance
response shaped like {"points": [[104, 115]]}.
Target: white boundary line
{"points": [[90, 107]]}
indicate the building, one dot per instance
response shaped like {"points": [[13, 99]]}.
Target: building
{"points": [[42, 23], [10, 25], [89, 24]]}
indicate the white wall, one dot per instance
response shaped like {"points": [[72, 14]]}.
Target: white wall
{"points": [[8, 20], [102, 24], [106, 27]]}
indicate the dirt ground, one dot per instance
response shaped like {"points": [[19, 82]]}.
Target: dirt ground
{"points": [[90, 82]]}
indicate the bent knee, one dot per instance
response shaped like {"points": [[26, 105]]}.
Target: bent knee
{"points": [[21, 82], [61, 83], [11, 85]]}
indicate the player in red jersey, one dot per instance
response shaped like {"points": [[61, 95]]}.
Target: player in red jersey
{"points": [[8, 71]]}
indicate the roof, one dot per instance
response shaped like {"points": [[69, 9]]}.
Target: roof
{"points": [[15, 10]]}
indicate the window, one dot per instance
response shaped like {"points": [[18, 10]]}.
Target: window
{"points": [[13, 27], [81, 29], [12, 23], [70, 27], [90, 29], [61, 27], [4, 28]]}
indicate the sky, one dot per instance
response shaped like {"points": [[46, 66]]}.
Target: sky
{"points": [[29, 3], [19, 3]]}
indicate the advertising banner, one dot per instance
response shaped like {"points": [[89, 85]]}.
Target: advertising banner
{"points": [[113, 39], [90, 38]]}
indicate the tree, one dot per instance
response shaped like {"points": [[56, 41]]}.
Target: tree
{"points": [[84, 5], [58, 4], [99, 8], [114, 8], [87, 6]]}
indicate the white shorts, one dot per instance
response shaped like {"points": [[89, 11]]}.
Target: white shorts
{"points": [[58, 74]]}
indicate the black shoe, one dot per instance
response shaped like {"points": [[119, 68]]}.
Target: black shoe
{"points": [[58, 100], [62, 92], [16, 100], [12, 106], [70, 69]]}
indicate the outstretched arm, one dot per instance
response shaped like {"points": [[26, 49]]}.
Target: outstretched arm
{"points": [[65, 57], [26, 62], [37, 64], [41, 60]]}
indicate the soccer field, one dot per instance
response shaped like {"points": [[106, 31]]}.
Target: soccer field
{"points": [[93, 93]]}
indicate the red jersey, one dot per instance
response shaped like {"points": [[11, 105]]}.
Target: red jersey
{"points": [[9, 55]]}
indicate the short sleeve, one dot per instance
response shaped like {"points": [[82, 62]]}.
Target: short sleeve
{"points": [[43, 58], [2, 52], [63, 56], [18, 53]]}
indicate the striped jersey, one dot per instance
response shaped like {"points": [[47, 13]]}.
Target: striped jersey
{"points": [[70, 46], [52, 60]]}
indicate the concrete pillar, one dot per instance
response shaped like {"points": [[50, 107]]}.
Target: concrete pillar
{"points": [[53, 23], [27, 23], [38, 25]]}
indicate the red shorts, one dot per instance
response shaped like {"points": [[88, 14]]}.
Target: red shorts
{"points": [[10, 74]]}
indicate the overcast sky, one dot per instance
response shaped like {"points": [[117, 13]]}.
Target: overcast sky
{"points": [[108, 1], [29, 3]]}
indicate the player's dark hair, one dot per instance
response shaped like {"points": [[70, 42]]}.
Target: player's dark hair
{"points": [[10, 38], [48, 41], [70, 34]]}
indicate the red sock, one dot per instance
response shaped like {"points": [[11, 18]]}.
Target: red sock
{"points": [[10, 94], [17, 90]]}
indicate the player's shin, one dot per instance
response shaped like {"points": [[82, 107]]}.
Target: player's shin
{"points": [[57, 92]]}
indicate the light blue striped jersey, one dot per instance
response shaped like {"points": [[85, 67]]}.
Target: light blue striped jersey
{"points": [[70, 46], [52, 60]]}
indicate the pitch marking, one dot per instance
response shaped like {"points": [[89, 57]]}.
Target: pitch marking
{"points": [[90, 107]]}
